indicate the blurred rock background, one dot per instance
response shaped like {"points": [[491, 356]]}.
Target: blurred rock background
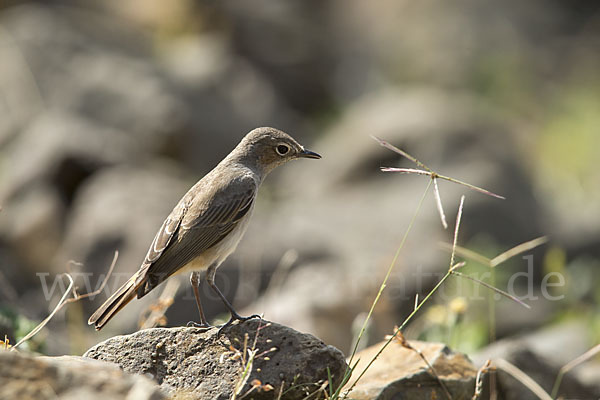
{"points": [[111, 110]]}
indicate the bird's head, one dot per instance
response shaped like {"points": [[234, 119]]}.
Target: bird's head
{"points": [[269, 147]]}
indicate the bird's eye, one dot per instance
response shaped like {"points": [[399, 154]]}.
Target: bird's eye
{"points": [[282, 149]]}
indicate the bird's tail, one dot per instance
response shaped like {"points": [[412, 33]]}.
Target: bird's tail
{"points": [[115, 303]]}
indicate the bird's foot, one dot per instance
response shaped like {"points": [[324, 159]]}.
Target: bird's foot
{"points": [[237, 317], [204, 325]]}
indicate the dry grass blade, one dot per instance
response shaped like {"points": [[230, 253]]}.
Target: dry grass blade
{"points": [[438, 202], [411, 315], [77, 296], [456, 228], [495, 289], [401, 340], [280, 390], [60, 304], [499, 259], [387, 276], [466, 253], [523, 378], [479, 379], [428, 171], [5, 343], [381, 288], [156, 314], [473, 187], [523, 247], [65, 300], [401, 152], [406, 170], [572, 364], [281, 271]]}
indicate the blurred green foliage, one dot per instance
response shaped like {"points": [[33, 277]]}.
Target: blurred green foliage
{"points": [[17, 327]]}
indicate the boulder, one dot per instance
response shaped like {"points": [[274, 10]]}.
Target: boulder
{"points": [[27, 377], [205, 365], [540, 356], [400, 372]]}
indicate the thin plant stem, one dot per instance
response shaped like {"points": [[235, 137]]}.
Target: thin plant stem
{"points": [[389, 271], [39, 327], [65, 300], [521, 248], [523, 378], [476, 188], [495, 289], [492, 307], [456, 228], [438, 202], [418, 307], [572, 364], [386, 344]]}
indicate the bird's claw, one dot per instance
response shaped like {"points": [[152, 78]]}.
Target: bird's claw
{"points": [[236, 317], [192, 324]]}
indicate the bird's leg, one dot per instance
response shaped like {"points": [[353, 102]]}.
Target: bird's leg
{"points": [[210, 278], [195, 281]]}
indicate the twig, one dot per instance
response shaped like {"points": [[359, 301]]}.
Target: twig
{"points": [[280, 390], [64, 300], [96, 292], [39, 327]]}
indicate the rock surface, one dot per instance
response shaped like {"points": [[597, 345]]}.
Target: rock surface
{"points": [[203, 365], [540, 355], [26, 377], [401, 373]]}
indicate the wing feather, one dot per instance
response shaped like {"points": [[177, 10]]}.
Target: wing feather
{"points": [[193, 229]]}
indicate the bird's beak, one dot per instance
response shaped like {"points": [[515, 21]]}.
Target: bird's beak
{"points": [[308, 154]]}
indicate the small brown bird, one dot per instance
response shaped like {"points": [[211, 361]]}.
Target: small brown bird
{"points": [[208, 222]]}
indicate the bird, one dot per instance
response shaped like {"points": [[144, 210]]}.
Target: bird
{"points": [[208, 222]]}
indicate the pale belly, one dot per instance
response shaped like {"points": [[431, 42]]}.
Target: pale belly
{"points": [[219, 252]]}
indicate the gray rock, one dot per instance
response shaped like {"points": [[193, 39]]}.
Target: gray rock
{"points": [[32, 227], [401, 373], [25, 377], [204, 365], [540, 356], [61, 149], [90, 68]]}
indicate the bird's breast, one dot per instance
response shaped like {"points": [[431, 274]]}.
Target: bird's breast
{"points": [[220, 251]]}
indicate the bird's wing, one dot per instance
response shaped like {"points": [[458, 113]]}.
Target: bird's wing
{"points": [[199, 226]]}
